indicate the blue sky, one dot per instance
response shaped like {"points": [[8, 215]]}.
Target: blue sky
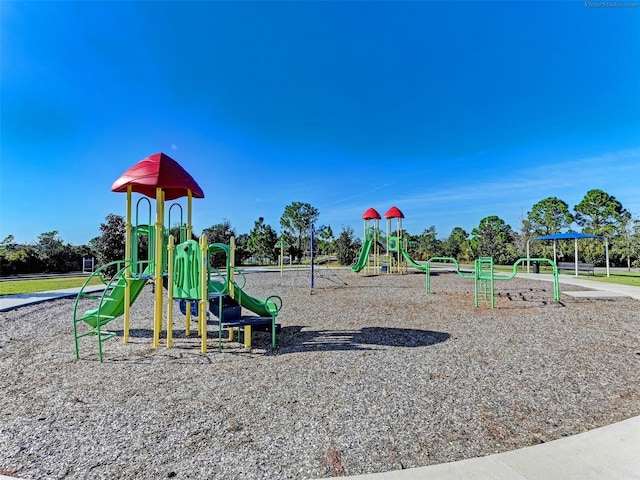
{"points": [[451, 111]]}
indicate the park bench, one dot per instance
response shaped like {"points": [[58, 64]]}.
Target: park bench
{"points": [[582, 267]]}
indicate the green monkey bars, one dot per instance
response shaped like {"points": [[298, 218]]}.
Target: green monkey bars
{"points": [[484, 278]]}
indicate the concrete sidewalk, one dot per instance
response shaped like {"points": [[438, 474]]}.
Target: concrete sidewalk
{"points": [[11, 302], [605, 288], [611, 452]]}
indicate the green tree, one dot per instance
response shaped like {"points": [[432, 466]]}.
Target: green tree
{"points": [[242, 250], [110, 245], [262, 240], [635, 243], [452, 246], [51, 250], [8, 243], [326, 239], [428, 244], [492, 238], [625, 247], [19, 259], [549, 216], [347, 246], [600, 214], [219, 233], [296, 222]]}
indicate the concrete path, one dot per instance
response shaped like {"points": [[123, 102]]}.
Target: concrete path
{"points": [[600, 289], [611, 452], [607, 453], [11, 302]]}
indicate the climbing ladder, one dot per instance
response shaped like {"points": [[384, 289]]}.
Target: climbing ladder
{"points": [[484, 281]]}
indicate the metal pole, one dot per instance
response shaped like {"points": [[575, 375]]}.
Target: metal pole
{"points": [[606, 249], [576, 255], [312, 246], [127, 272]]}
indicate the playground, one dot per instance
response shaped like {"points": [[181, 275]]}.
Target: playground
{"points": [[371, 374], [186, 369]]}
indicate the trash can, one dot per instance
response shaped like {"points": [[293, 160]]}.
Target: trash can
{"points": [[536, 267]]}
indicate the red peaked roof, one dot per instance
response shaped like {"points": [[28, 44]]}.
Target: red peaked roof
{"points": [[158, 171], [394, 212], [371, 214]]}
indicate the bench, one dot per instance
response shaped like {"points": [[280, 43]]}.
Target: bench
{"points": [[582, 267]]}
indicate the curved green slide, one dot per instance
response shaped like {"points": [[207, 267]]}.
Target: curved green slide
{"points": [[411, 262], [112, 304], [364, 255], [263, 308]]}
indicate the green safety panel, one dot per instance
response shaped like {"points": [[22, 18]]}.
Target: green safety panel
{"points": [[186, 271]]}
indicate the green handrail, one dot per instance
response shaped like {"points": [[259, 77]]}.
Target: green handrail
{"points": [[118, 280]]}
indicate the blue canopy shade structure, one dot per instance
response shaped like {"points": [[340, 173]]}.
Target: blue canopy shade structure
{"points": [[571, 236], [566, 236]]}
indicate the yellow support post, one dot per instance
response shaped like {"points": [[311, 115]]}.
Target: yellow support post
{"points": [[170, 257], [399, 225], [157, 319], [127, 273], [204, 292], [247, 336], [187, 321], [281, 257]]}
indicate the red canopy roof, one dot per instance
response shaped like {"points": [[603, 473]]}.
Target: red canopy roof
{"points": [[371, 214], [158, 171], [394, 212]]}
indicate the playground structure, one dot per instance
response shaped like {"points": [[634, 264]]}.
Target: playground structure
{"points": [[395, 258], [184, 269], [484, 278]]}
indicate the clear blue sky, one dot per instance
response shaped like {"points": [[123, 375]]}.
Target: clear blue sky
{"points": [[451, 111]]}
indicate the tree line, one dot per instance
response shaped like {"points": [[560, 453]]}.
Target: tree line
{"points": [[598, 214]]}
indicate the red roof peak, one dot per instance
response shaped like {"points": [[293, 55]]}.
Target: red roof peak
{"points": [[158, 171], [371, 214], [394, 212]]}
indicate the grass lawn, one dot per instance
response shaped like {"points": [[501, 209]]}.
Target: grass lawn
{"points": [[623, 278], [28, 286], [12, 287]]}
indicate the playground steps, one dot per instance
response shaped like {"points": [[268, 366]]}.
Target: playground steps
{"points": [[111, 303]]}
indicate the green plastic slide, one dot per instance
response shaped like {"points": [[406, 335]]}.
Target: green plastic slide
{"points": [[411, 262], [262, 308], [112, 304], [364, 255]]}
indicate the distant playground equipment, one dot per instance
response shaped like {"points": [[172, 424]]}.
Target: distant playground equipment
{"points": [[183, 269], [395, 258], [282, 245], [484, 278]]}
